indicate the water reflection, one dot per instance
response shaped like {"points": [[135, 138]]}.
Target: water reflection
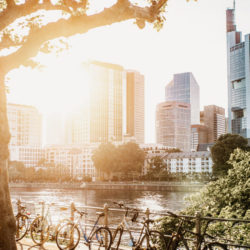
{"points": [[157, 201]]}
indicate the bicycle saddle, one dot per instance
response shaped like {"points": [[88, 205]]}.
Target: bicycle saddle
{"points": [[101, 214]]}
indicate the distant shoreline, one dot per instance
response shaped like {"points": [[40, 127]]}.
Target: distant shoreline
{"points": [[139, 186]]}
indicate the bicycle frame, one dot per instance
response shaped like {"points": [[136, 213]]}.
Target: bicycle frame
{"points": [[84, 234], [125, 226]]}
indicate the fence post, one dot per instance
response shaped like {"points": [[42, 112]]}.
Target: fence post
{"points": [[105, 209], [18, 212], [147, 213], [198, 230], [72, 213], [43, 219]]}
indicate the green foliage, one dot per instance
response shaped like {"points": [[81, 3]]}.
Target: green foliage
{"points": [[105, 158], [222, 150], [125, 159], [44, 172], [130, 158], [228, 197], [157, 169]]}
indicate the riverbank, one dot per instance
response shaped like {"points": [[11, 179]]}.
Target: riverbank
{"points": [[138, 186]]}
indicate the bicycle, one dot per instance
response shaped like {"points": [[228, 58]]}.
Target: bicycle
{"points": [[68, 236], [42, 227], [22, 221], [148, 239], [178, 239]]}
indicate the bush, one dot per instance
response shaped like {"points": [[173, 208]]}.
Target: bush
{"points": [[227, 197]]}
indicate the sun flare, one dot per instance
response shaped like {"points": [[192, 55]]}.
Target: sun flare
{"points": [[61, 85]]}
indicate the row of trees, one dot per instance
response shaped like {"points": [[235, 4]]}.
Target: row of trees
{"points": [[121, 160], [43, 173]]}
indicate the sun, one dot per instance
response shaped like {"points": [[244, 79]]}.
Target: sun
{"points": [[59, 86]]}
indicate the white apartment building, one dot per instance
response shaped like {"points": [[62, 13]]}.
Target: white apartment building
{"points": [[29, 155], [77, 159], [25, 124], [189, 162]]}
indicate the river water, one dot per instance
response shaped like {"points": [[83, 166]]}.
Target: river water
{"points": [[157, 201]]}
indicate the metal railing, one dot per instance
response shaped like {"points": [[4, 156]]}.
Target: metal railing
{"points": [[112, 221]]}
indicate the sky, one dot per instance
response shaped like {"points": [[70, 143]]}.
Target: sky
{"points": [[193, 39]]}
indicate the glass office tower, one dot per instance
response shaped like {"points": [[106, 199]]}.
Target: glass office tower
{"points": [[238, 65], [184, 88]]}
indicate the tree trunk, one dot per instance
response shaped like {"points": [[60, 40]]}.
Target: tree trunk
{"points": [[7, 219]]}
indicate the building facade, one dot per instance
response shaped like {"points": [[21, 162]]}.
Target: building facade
{"points": [[238, 67], [25, 124], [106, 102], [135, 105], [28, 155], [189, 162], [77, 127], [214, 119], [184, 88], [173, 125], [54, 129], [199, 135], [77, 160]]}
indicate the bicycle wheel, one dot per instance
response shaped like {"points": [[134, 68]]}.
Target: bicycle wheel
{"points": [[215, 246], [39, 230], [68, 237], [21, 226], [153, 241], [100, 239]]}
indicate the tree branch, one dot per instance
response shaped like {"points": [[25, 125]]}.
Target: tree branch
{"points": [[72, 26], [10, 14]]}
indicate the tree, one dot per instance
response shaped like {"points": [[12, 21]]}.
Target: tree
{"points": [[228, 197], [130, 159], [222, 150], [105, 158], [25, 29], [157, 168]]}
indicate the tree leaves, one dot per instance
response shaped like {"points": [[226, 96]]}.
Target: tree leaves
{"points": [[124, 159]]}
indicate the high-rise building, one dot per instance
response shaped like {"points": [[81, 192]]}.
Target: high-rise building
{"points": [[77, 127], [199, 135], [135, 106], [54, 129], [238, 66], [184, 88], [106, 102], [100, 118], [25, 124], [173, 125], [214, 119]]}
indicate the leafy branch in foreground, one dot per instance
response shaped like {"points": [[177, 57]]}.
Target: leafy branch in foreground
{"points": [[228, 197]]}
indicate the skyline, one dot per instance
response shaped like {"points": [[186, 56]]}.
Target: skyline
{"points": [[167, 50]]}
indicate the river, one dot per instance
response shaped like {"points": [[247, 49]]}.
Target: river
{"points": [[157, 201]]}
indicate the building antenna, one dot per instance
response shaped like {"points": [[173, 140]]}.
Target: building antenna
{"points": [[234, 4]]}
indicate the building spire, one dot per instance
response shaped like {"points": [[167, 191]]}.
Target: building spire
{"points": [[234, 5]]}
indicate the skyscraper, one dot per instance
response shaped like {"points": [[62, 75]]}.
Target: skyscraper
{"points": [[238, 75], [135, 106], [25, 124], [173, 125], [54, 129], [199, 134], [214, 120], [184, 88], [106, 100]]}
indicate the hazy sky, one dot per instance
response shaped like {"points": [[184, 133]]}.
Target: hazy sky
{"points": [[193, 40]]}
